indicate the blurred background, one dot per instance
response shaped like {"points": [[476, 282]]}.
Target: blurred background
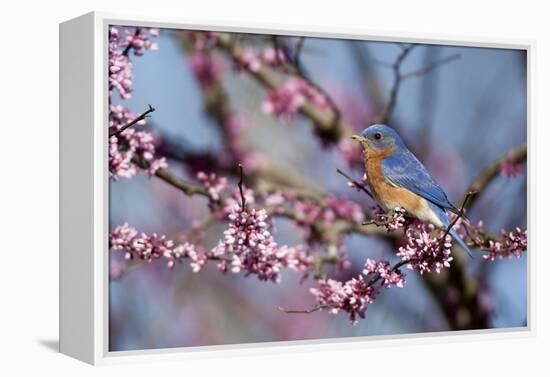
{"points": [[458, 118]]}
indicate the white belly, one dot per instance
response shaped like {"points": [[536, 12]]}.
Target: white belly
{"points": [[427, 215]]}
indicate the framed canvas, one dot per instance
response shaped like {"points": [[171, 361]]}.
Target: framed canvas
{"points": [[228, 189]]}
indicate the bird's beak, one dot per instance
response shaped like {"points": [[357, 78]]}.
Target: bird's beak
{"points": [[356, 137]]}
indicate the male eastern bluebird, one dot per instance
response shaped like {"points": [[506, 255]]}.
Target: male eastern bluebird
{"points": [[398, 179]]}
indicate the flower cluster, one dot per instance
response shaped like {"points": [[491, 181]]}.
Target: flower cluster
{"points": [[285, 101], [252, 60], [351, 297], [251, 245], [213, 184], [130, 144], [392, 220], [351, 153], [120, 72], [247, 246], [248, 60], [138, 40], [354, 295], [389, 275], [343, 208], [121, 43], [207, 68], [151, 247], [510, 168], [426, 249], [308, 211], [133, 244], [511, 243]]}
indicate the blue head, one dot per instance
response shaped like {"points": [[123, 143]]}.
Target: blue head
{"points": [[379, 138]]}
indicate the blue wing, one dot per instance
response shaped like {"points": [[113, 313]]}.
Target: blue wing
{"points": [[403, 169]]}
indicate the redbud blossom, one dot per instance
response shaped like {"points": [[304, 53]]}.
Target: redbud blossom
{"points": [[426, 250], [353, 296], [129, 144], [510, 168]]}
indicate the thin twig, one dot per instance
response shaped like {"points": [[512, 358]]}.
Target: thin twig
{"points": [[395, 267], [324, 120], [305, 311], [298, 71], [386, 112], [422, 71], [355, 183], [240, 184], [142, 116], [129, 47], [462, 211]]}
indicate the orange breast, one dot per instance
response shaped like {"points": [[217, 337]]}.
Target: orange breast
{"points": [[386, 194]]}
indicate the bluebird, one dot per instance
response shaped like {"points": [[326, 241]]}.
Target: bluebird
{"points": [[398, 179]]}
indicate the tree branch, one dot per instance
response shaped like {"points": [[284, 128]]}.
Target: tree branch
{"points": [[142, 116], [267, 77], [187, 188], [384, 117], [422, 71], [517, 156], [370, 283]]}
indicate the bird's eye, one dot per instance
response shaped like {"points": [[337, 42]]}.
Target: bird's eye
{"points": [[378, 136]]}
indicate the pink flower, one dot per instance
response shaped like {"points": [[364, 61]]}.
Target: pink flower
{"points": [[129, 144], [509, 168], [312, 95], [514, 244], [248, 60], [247, 246], [425, 249], [296, 258], [152, 247], [120, 72], [214, 185], [350, 151], [393, 220], [206, 68], [386, 272], [272, 56], [283, 102], [137, 40], [121, 43], [251, 245], [345, 209], [352, 297], [120, 161], [147, 247]]}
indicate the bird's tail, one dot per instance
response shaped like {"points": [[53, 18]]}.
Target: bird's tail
{"points": [[460, 241]]}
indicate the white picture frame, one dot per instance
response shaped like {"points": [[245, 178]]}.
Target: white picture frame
{"points": [[84, 193]]}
